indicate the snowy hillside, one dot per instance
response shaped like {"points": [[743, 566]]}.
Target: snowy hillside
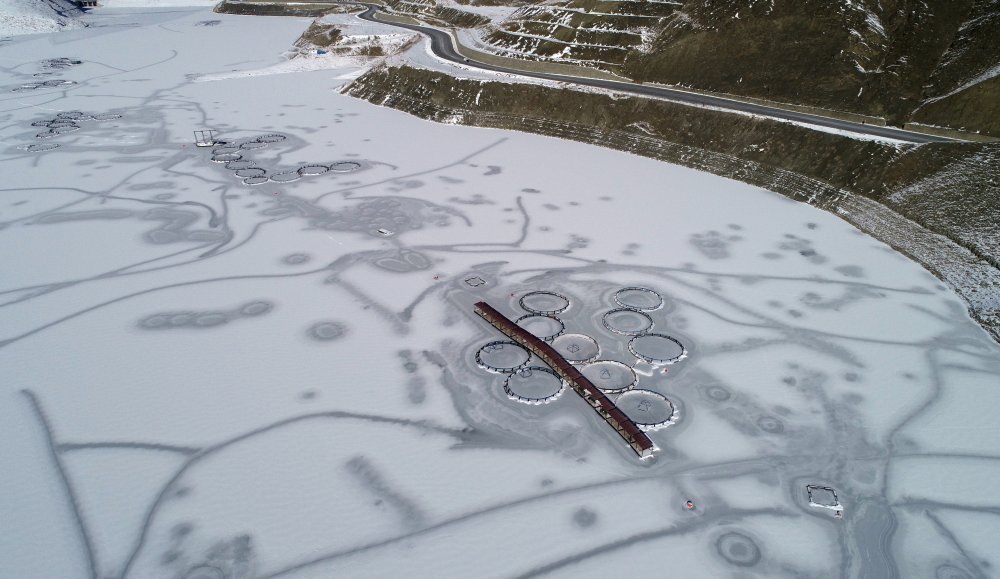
{"points": [[872, 57], [36, 16]]}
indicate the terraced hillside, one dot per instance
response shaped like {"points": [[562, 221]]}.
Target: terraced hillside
{"points": [[929, 61], [437, 14], [587, 32]]}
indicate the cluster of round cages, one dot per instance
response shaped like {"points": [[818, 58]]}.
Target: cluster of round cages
{"points": [[523, 382], [543, 306], [226, 151], [231, 154], [59, 63], [632, 319], [54, 83], [68, 122]]}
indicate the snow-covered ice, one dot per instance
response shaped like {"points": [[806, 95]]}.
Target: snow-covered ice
{"points": [[205, 377]]}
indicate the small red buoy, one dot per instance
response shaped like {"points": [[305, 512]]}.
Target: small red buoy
{"points": [[666, 370], [838, 515], [689, 505]]}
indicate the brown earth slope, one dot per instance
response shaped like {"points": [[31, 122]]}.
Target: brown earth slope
{"points": [[928, 61]]}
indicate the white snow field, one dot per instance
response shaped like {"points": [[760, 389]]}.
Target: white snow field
{"points": [[264, 365]]}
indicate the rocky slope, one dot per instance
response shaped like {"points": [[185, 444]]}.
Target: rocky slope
{"points": [[928, 61]]}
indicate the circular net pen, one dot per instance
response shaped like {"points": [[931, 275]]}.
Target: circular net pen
{"points": [[638, 298], [314, 169], [649, 410], [610, 377], [286, 177], [271, 138], [545, 303], [657, 349], [257, 180], [345, 166], [41, 148], [226, 149], [541, 326], [239, 164], [250, 172], [251, 145], [226, 157], [65, 128], [534, 385], [502, 357], [627, 322]]}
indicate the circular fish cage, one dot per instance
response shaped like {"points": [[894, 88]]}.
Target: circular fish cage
{"points": [[226, 149], [577, 348], [657, 349], [649, 410], [638, 298], [544, 302], [345, 166], [250, 172], [502, 357], [239, 164], [226, 157], [41, 147], [610, 377], [541, 326], [286, 177], [534, 385], [315, 169], [271, 138], [627, 322]]}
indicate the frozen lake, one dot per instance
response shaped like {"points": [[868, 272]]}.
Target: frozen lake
{"points": [[259, 359]]}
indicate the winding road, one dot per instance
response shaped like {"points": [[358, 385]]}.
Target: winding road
{"points": [[442, 45]]}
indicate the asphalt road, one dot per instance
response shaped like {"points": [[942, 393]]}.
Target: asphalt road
{"points": [[441, 45]]}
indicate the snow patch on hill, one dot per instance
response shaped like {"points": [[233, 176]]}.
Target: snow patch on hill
{"points": [[35, 16]]}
